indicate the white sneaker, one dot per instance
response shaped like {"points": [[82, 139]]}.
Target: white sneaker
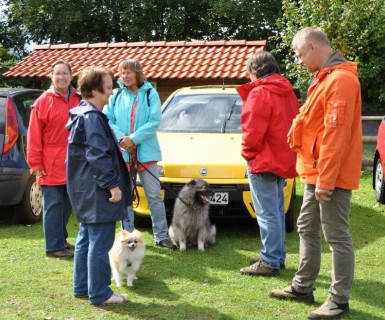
{"points": [[116, 299]]}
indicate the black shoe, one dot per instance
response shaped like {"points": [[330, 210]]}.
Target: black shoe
{"points": [[69, 246], [60, 254], [252, 261], [166, 244]]}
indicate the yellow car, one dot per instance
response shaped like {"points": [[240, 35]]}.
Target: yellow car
{"points": [[200, 137]]}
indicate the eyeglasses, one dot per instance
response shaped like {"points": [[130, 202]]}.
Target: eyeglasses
{"points": [[61, 74]]}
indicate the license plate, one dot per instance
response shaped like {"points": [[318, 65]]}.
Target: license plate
{"points": [[220, 198]]}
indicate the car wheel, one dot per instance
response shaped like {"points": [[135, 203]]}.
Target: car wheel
{"points": [[289, 216], [142, 221], [379, 182], [30, 210]]}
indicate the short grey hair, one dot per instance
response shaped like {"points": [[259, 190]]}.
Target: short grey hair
{"points": [[310, 34]]}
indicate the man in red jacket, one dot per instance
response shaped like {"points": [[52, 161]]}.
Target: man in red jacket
{"points": [[269, 107], [46, 156]]}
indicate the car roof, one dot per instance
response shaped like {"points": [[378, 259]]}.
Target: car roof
{"points": [[14, 91]]}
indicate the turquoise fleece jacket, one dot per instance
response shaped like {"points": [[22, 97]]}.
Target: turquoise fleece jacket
{"points": [[147, 120]]}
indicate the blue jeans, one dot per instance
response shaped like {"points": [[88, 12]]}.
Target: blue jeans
{"points": [[267, 194], [151, 186], [56, 213], [92, 271]]}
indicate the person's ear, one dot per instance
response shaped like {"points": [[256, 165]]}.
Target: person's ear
{"points": [[312, 46]]}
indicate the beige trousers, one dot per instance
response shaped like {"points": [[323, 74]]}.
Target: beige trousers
{"points": [[332, 218]]}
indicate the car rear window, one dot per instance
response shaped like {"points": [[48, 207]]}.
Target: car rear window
{"points": [[212, 113], [24, 103]]}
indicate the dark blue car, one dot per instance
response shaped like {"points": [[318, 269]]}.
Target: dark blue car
{"points": [[18, 190]]}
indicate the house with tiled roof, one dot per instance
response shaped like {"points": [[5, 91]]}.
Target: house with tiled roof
{"points": [[167, 65]]}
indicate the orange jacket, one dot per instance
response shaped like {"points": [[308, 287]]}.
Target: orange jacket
{"points": [[327, 133]]}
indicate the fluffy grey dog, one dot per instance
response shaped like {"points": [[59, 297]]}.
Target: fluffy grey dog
{"points": [[191, 225]]}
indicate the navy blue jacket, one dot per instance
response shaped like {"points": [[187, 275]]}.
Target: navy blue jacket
{"points": [[95, 165]]}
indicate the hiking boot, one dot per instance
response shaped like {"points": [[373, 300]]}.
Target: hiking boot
{"points": [[292, 294], [260, 268], [330, 310], [281, 266]]}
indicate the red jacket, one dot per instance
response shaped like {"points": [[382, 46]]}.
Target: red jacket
{"points": [[269, 107], [47, 136], [327, 133]]}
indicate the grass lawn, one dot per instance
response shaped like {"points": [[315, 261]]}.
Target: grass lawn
{"points": [[191, 285]]}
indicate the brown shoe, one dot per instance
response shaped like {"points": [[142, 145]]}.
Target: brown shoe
{"points": [[330, 310], [60, 254], [260, 268], [281, 266], [292, 294]]}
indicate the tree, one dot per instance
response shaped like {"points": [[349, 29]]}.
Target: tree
{"points": [[354, 27], [76, 21], [6, 62]]}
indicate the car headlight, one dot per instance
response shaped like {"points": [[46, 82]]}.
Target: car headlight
{"points": [[160, 171]]}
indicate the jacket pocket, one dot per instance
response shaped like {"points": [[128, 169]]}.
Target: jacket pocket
{"points": [[314, 152], [335, 113], [294, 137]]}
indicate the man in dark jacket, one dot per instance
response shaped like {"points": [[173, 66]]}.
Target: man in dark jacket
{"points": [[98, 186]]}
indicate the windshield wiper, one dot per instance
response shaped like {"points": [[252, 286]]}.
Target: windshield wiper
{"points": [[227, 118]]}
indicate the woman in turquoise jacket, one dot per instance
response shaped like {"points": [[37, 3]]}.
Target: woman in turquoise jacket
{"points": [[134, 113]]}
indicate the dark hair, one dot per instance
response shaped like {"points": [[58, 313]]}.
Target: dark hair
{"points": [[91, 78], [133, 65], [262, 63], [61, 62]]}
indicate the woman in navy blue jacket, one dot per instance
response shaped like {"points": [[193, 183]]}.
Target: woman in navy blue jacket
{"points": [[98, 186]]}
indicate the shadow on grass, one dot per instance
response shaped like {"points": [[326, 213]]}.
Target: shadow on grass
{"points": [[364, 291], [365, 225], [157, 311], [145, 285]]}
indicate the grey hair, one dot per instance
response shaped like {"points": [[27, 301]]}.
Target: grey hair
{"points": [[133, 65], [57, 62], [309, 34]]}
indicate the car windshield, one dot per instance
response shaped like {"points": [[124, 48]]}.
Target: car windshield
{"points": [[205, 113]]}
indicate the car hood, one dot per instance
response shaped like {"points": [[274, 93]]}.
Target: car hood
{"points": [[205, 156]]}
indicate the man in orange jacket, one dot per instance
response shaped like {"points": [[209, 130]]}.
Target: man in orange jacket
{"points": [[327, 137]]}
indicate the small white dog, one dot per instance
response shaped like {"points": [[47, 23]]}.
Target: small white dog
{"points": [[126, 256]]}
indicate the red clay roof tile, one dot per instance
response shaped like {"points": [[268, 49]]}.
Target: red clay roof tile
{"points": [[160, 60]]}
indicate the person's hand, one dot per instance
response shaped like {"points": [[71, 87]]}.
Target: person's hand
{"points": [[323, 195], [127, 143], [39, 173], [116, 195]]}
